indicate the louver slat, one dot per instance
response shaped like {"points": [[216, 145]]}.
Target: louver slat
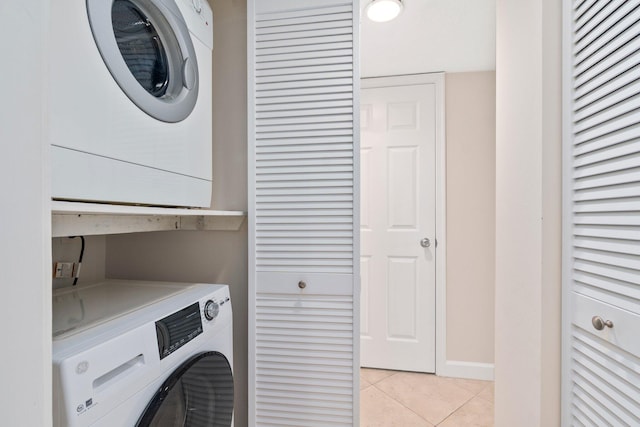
{"points": [[304, 114], [614, 19], [607, 377], [585, 13], [304, 353], [298, 12], [329, 15], [603, 181], [309, 49]]}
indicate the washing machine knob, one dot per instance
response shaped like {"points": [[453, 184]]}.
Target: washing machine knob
{"points": [[211, 310]]}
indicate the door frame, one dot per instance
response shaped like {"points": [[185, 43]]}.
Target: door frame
{"points": [[441, 203], [567, 226]]}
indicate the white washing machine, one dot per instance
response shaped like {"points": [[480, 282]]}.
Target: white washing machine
{"points": [[142, 354], [130, 101]]}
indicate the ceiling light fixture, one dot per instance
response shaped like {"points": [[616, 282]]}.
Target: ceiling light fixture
{"points": [[383, 10]]}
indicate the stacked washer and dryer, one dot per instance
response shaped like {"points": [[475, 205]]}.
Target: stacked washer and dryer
{"points": [[130, 123]]}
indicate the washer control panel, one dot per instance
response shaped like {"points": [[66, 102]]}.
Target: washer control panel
{"points": [[177, 329]]}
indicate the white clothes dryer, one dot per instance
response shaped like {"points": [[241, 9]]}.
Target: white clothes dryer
{"points": [[130, 101], [142, 354]]}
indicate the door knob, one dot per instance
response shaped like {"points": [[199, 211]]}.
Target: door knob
{"points": [[302, 284], [600, 324], [425, 243]]}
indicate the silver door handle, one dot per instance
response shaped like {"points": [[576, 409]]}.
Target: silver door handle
{"points": [[600, 324], [425, 243]]}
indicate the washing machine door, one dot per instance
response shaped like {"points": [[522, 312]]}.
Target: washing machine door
{"points": [[198, 394], [146, 46]]}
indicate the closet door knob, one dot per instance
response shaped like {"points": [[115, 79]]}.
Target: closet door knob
{"points": [[425, 243], [600, 324], [302, 284]]}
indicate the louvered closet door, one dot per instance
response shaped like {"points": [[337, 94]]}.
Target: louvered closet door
{"points": [[303, 149], [602, 213]]}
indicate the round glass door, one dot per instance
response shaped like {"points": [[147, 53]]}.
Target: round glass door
{"points": [[198, 394], [141, 47], [147, 48]]}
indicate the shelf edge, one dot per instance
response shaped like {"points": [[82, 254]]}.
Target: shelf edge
{"points": [[87, 219]]}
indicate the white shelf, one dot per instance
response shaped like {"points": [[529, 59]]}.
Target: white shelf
{"points": [[84, 219]]}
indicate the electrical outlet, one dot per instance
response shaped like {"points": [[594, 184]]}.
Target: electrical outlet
{"points": [[63, 270]]}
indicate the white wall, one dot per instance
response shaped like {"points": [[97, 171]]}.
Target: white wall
{"points": [[430, 36], [471, 199], [229, 104], [528, 204], [25, 311]]}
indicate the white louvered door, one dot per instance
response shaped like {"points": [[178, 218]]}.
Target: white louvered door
{"points": [[303, 150], [601, 363]]}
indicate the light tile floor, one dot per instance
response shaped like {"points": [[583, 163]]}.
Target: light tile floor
{"points": [[407, 399]]}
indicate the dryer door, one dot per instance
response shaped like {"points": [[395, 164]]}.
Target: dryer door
{"points": [[198, 394], [146, 46]]}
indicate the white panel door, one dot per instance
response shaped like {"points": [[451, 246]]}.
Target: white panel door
{"points": [[303, 213], [398, 191], [601, 304]]}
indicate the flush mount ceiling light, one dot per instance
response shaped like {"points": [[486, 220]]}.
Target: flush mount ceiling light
{"points": [[383, 10]]}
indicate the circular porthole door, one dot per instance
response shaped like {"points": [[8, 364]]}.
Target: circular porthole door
{"points": [[146, 46], [198, 394]]}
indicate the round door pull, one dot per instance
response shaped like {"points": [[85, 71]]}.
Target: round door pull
{"points": [[302, 284], [600, 324], [425, 243]]}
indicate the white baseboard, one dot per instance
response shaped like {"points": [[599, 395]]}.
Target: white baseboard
{"points": [[469, 370]]}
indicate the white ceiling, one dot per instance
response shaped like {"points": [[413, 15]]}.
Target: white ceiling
{"points": [[429, 36]]}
